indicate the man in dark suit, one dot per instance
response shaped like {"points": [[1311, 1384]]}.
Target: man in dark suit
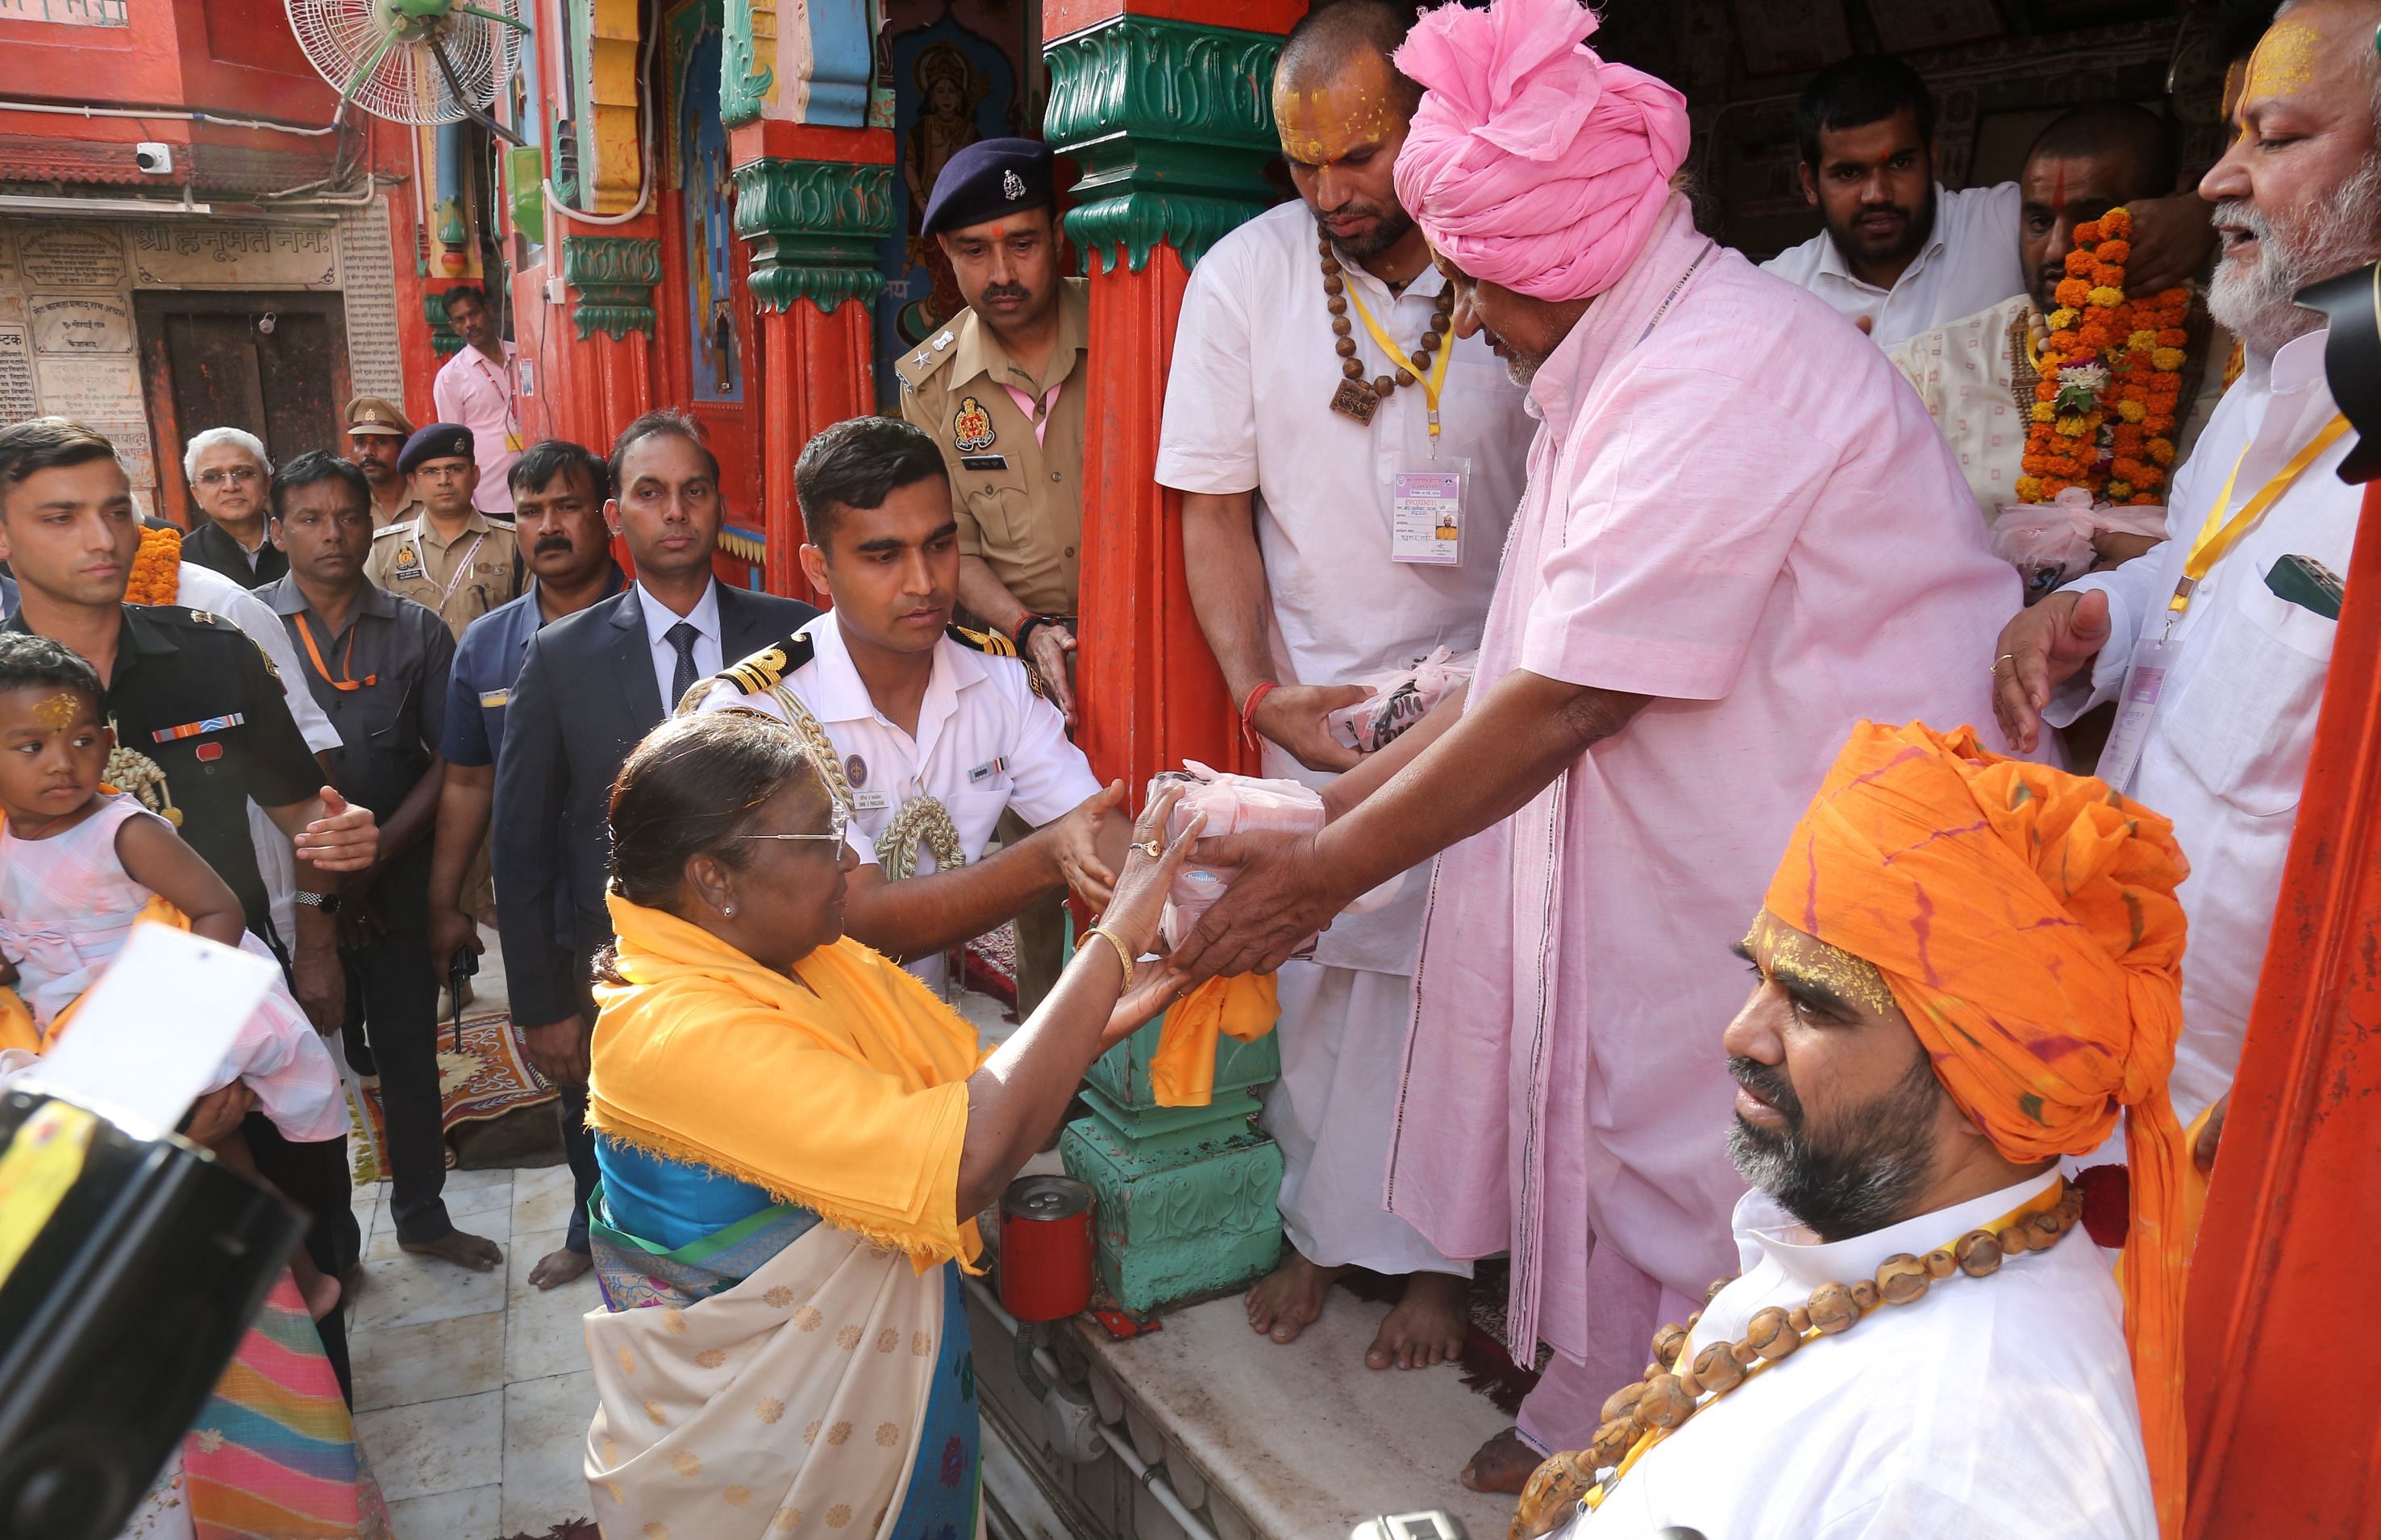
{"points": [[590, 686]]}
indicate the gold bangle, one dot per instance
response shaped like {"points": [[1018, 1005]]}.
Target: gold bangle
{"points": [[1124, 955]]}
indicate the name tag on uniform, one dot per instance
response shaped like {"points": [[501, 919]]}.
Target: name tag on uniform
{"points": [[985, 771], [495, 698], [869, 801], [984, 462]]}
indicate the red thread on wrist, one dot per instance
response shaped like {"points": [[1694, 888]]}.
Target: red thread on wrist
{"points": [[1249, 710]]}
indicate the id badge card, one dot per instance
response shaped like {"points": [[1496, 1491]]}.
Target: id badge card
{"points": [[1427, 513], [2136, 705]]}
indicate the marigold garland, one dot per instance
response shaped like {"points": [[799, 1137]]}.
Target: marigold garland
{"points": [[157, 570], [2111, 378]]}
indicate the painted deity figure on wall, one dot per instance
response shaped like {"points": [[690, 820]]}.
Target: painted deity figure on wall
{"points": [[949, 90]]}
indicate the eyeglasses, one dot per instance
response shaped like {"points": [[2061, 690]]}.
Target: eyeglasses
{"points": [[236, 474], [838, 820]]}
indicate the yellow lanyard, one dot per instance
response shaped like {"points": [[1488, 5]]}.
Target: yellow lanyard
{"points": [[1431, 384], [2220, 534]]}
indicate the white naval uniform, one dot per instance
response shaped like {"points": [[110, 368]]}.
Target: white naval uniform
{"points": [[985, 743]]}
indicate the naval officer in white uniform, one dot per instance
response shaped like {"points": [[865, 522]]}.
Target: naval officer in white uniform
{"points": [[935, 730]]}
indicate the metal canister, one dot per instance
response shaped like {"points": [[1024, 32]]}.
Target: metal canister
{"points": [[1045, 1248]]}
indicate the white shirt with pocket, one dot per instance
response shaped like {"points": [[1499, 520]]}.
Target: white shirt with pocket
{"points": [[1968, 263], [2226, 750], [985, 743]]}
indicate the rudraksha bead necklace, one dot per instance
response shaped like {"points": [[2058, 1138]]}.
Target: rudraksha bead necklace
{"points": [[1355, 398], [1636, 1417]]}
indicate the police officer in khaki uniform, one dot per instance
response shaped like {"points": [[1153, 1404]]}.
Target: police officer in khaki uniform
{"points": [[377, 430], [1001, 390], [450, 559]]}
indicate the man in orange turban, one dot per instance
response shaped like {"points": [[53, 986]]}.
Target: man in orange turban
{"points": [[1966, 966]]}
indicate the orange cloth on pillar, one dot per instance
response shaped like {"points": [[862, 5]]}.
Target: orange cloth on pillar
{"points": [[2026, 921], [1182, 1071]]}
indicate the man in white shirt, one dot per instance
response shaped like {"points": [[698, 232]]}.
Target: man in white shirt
{"points": [[475, 389], [1903, 254], [1977, 375], [2224, 752], [1306, 577], [936, 732], [1962, 966]]}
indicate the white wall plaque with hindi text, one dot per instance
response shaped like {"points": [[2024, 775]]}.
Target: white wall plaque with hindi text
{"points": [[235, 253], [79, 324], [71, 256], [18, 400]]}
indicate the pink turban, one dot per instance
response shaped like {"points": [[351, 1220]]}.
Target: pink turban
{"points": [[1533, 163]]}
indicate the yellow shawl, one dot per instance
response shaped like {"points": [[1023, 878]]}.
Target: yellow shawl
{"points": [[847, 1097]]}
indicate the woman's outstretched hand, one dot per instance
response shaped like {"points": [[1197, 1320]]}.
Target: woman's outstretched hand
{"points": [[1139, 900]]}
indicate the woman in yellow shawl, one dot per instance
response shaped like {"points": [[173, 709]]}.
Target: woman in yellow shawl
{"points": [[794, 1135]]}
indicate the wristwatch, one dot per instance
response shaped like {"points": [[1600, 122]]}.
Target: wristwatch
{"points": [[327, 902]]}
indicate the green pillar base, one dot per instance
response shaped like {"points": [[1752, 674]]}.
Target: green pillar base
{"points": [[1186, 1195]]}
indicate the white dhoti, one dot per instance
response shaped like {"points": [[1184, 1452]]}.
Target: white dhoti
{"points": [[1331, 1113]]}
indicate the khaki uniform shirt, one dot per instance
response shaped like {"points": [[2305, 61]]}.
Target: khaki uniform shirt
{"points": [[404, 513], [457, 582], [1020, 504]]}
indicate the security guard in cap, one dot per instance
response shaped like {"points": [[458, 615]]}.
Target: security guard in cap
{"points": [[1001, 389], [450, 559], [377, 430], [927, 733]]}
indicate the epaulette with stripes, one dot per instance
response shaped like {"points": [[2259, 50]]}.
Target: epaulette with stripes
{"points": [[765, 669]]}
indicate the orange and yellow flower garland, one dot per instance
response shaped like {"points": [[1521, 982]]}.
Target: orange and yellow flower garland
{"points": [[157, 570], [2111, 378]]}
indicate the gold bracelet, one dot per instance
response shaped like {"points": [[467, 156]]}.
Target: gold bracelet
{"points": [[1124, 953]]}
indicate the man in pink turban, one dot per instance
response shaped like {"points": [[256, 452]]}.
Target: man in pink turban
{"points": [[1741, 532]]}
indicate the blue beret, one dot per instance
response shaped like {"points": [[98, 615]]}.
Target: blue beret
{"points": [[438, 441], [986, 179]]}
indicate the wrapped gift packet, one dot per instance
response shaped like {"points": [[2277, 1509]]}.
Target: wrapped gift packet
{"points": [[1400, 698]]}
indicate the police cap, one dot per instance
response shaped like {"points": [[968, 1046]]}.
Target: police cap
{"points": [[986, 179], [377, 414], [438, 441]]}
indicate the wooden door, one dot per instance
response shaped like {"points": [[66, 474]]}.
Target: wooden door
{"points": [[273, 363]]}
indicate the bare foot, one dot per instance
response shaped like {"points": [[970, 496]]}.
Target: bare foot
{"points": [[475, 1252], [1502, 1464], [1286, 1301], [321, 1292], [559, 1266], [1427, 1326]]}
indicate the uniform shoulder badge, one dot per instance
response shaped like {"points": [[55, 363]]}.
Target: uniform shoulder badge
{"points": [[972, 428], [993, 642], [765, 669], [912, 367]]}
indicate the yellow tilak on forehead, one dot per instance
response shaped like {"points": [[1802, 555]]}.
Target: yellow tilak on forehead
{"points": [[2284, 61], [1330, 124], [1808, 961], [58, 712]]}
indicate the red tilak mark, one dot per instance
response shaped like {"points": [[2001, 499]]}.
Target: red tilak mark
{"points": [[2058, 193]]}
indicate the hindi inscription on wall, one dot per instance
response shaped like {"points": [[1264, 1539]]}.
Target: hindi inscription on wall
{"points": [[79, 324], [72, 256], [235, 254]]}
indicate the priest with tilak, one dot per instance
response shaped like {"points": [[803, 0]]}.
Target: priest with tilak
{"points": [[1740, 534]]}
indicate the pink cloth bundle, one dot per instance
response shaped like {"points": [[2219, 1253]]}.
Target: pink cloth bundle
{"points": [[1533, 163], [1401, 697], [2050, 543], [1234, 804]]}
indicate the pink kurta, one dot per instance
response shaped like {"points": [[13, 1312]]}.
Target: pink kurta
{"points": [[1737, 506]]}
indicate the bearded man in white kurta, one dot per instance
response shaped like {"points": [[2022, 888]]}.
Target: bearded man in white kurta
{"points": [[1295, 456], [1699, 595], [1965, 966]]}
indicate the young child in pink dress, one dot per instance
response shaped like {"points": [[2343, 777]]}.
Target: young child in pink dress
{"points": [[77, 866]]}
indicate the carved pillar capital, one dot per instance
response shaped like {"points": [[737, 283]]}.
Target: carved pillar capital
{"points": [[1172, 122], [611, 280], [813, 226]]}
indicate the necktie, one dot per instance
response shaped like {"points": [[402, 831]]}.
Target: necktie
{"points": [[682, 637]]}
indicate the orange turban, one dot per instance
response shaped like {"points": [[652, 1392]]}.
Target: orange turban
{"points": [[2026, 921]]}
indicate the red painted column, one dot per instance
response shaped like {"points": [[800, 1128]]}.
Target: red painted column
{"points": [[2282, 1370], [812, 203], [1167, 106]]}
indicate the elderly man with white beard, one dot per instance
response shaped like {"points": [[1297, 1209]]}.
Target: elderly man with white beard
{"points": [[2219, 641]]}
